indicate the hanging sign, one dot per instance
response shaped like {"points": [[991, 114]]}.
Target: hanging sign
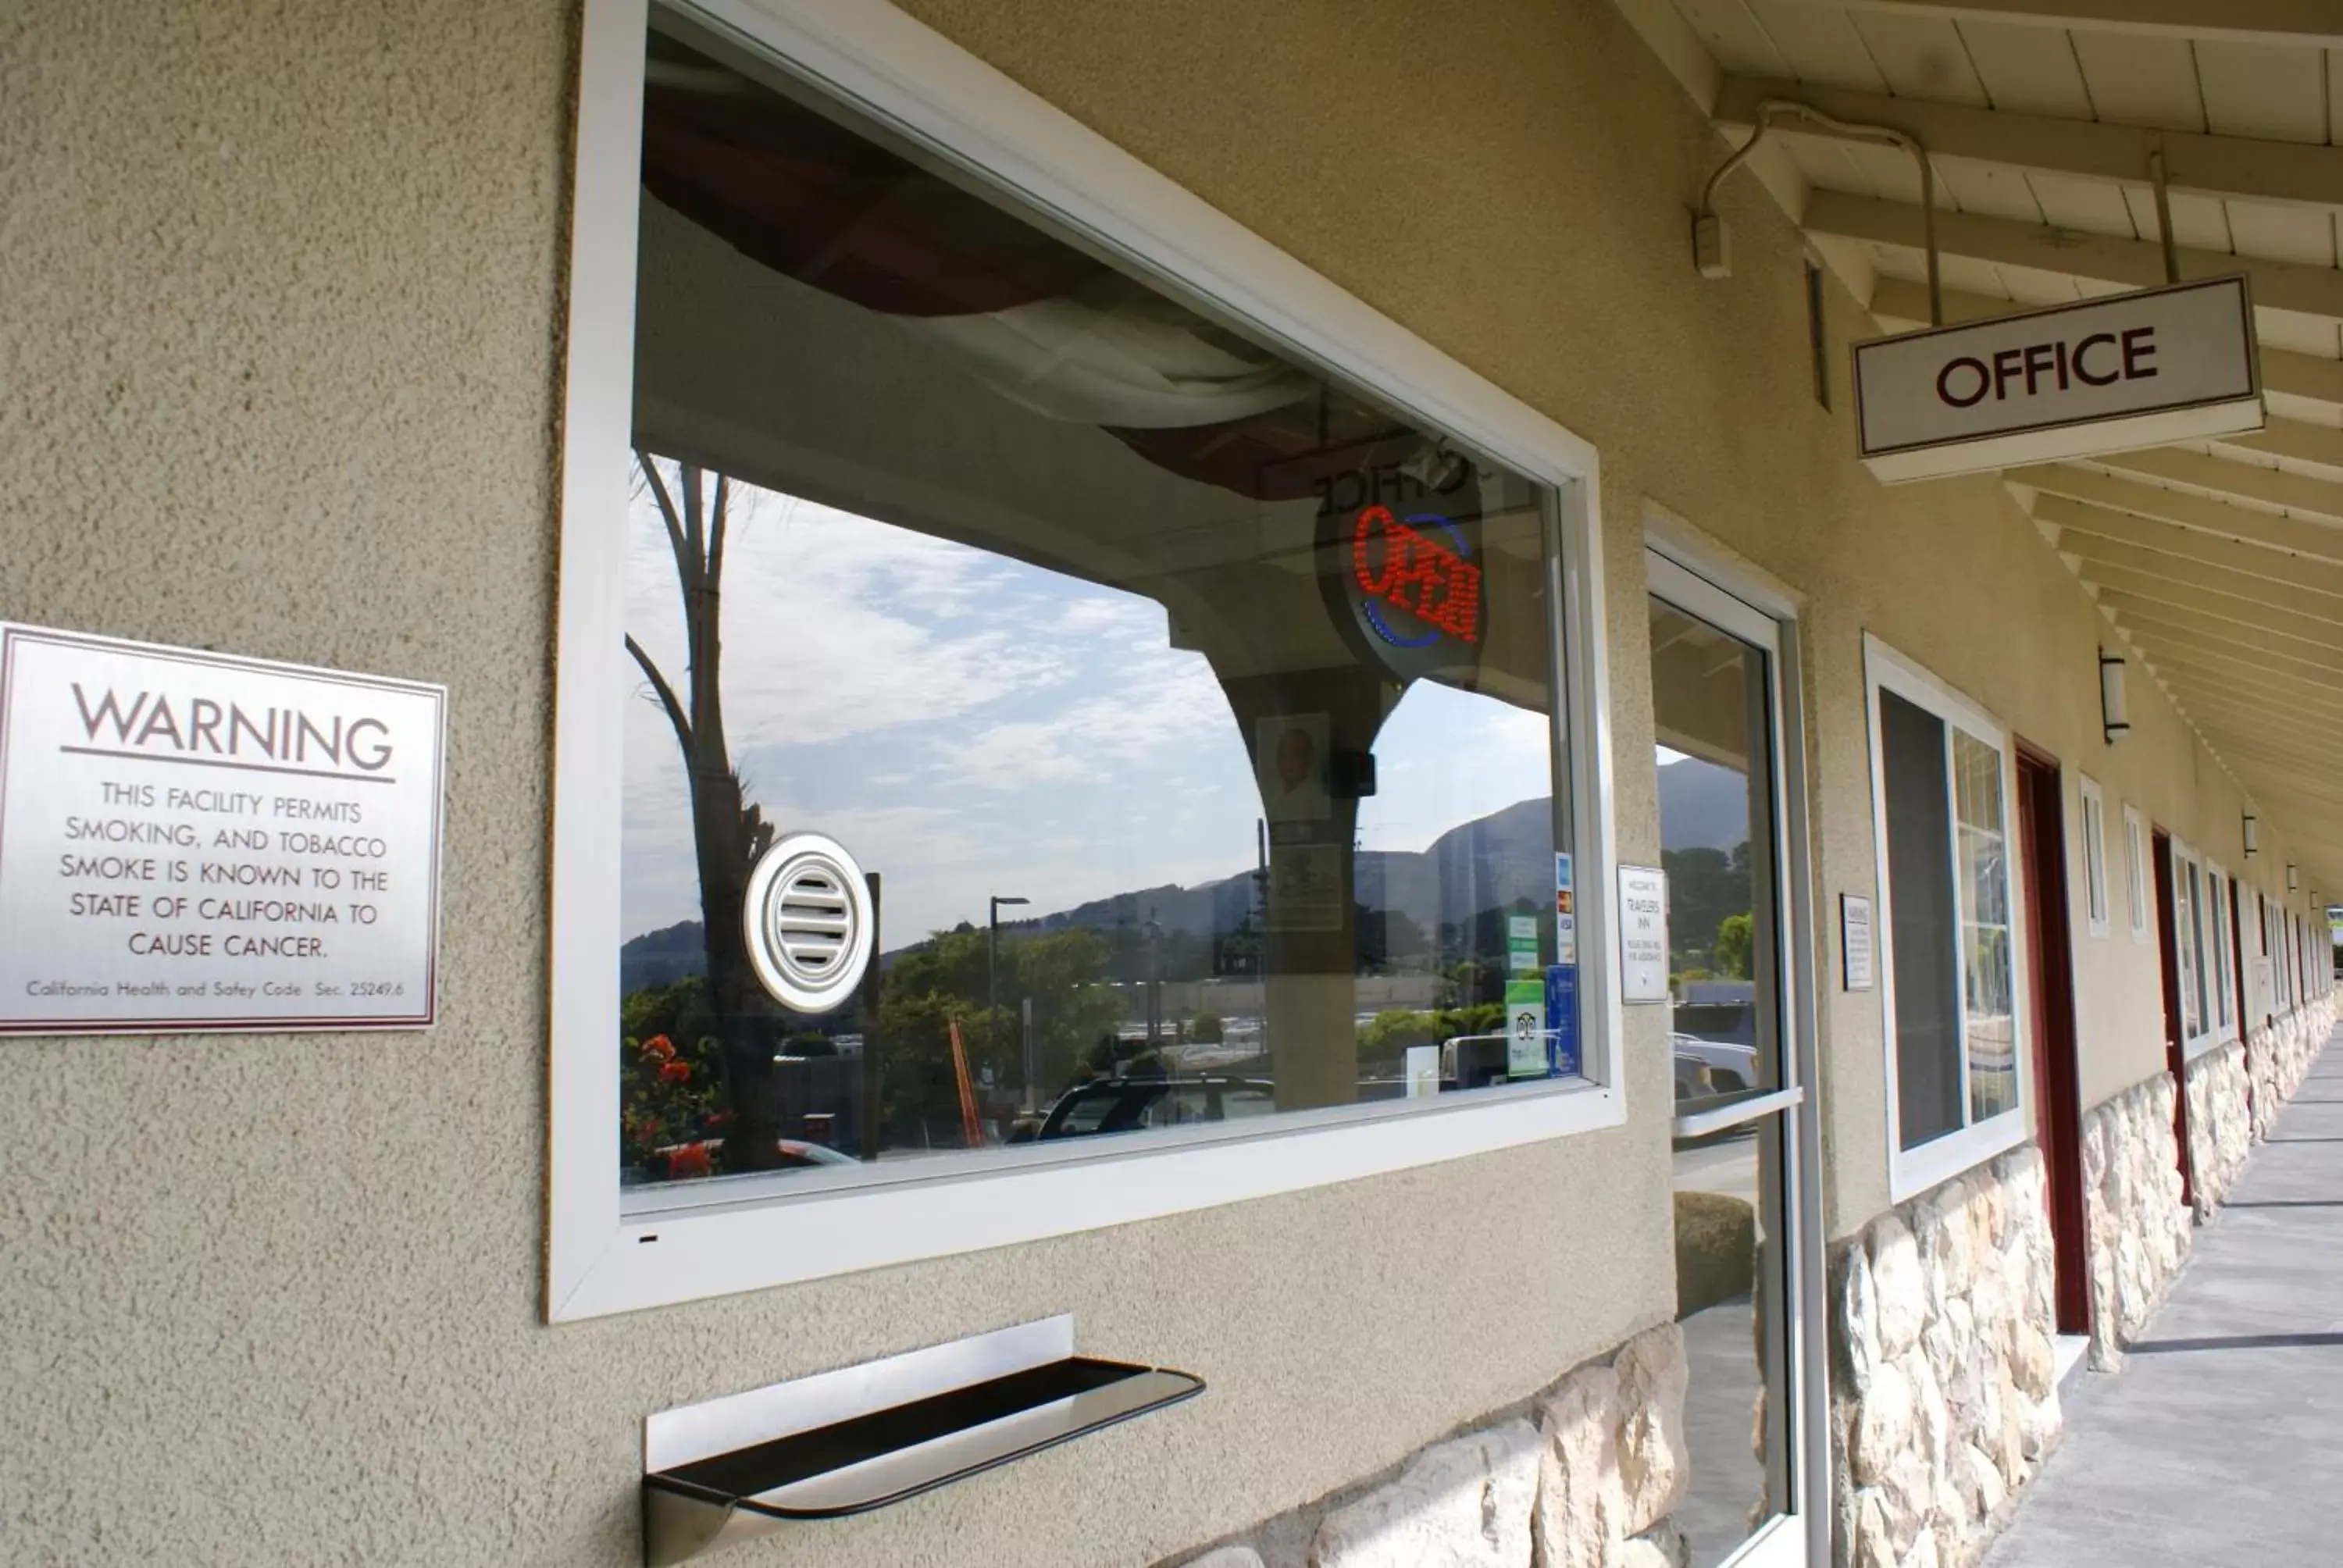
{"points": [[1642, 933], [2105, 375], [190, 840]]}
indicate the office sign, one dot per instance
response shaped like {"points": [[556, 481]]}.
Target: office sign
{"points": [[2105, 375], [190, 840], [1642, 933]]}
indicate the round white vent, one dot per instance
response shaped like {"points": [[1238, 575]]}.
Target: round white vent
{"points": [[808, 923]]}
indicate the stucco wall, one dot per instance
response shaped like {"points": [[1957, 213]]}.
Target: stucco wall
{"points": [[283, 352]]}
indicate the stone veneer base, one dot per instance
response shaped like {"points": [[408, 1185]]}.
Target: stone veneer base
{"points": [[1585, 1477], [2140, 1230], [1945, 1393]]}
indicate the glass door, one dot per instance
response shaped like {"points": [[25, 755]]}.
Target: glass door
{"points": [[1741, 1292]]}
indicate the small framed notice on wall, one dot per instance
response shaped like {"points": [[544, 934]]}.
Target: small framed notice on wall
{"points": [[190, 840], [1855, 941], [1643, 934]]}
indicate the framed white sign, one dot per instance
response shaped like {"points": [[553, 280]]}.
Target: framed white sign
{"points": [[1855, 941], [2105, 375], [1643, 934], [191, 841]]}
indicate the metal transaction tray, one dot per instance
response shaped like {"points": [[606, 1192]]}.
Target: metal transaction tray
{"points": [[871, 1460]]}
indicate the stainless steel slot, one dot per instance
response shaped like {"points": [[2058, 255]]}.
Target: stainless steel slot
{"points": [[849, 1442]]}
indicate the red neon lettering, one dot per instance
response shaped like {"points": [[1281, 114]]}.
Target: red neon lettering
{"points": [[1446, 586]]}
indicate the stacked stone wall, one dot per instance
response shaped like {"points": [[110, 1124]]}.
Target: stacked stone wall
{"points": [[1585, 1477], [1945, 1393], [2140, 1229], [2220, 1123], [2280, 1055]]}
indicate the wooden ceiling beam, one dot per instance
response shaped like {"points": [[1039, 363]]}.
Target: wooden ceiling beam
{"points": [[2212, 166], [2309, 23], [2132, 613], [2154, 629], [2299, 493], [2222, 670], [2096, 558], [2117, 584], [2289, 536], [2190, 550], [2077, 253], [2292, 439]]}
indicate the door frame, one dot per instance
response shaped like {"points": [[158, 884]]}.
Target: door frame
{"points": [[2050, 949], [1689, 577], [2245, 989]]}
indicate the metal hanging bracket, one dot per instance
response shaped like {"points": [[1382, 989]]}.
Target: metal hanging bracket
{"points": [[1709, 250]]}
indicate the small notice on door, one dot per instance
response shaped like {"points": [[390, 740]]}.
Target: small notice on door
{"points": [[190, 840], [1855, 941], [1642, 933]]}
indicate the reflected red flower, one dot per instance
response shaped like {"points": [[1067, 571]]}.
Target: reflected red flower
{"points": [[660, 1046], [690, 1162], [674, 1072]]}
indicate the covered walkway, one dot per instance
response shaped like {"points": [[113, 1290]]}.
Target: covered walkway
{"points": [[2222, 1442]]}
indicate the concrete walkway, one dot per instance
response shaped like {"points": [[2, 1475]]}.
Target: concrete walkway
{"points": [[2221, 1442]]}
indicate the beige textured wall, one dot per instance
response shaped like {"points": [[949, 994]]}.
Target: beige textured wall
{"points": [[282, 345]]}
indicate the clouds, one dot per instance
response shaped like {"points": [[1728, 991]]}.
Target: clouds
{"points": [[969, 726], [962, 720]]}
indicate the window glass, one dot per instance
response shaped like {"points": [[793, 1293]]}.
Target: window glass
{"points": [[1191, 714], [2094, 857], [2187, 942], [2218, 899], [1989, 1013], [1711, 705], [1924, 921], [2135, 870]]}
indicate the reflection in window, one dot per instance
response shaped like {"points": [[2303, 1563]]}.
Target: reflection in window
{"points": [[1987, 1003], [1192, 714]]}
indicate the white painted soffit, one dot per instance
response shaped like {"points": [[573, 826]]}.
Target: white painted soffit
{"points": [[2218, 563]]}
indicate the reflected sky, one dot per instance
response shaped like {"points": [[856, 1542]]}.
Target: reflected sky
{"points": [[969, 724]]}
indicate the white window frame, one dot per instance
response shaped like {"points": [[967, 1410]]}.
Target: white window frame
{"points": [[2096, 908], [601, 1259], [2135, 872], [2226, 1007], [2188, 948], [1913, 1172]]}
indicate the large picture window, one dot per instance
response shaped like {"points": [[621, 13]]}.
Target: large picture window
{"points": [[1037, 717], [1940, 787], [1190, 713]]}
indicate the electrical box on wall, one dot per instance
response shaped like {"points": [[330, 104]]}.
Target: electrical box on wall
{"points": [[1711, 251]]}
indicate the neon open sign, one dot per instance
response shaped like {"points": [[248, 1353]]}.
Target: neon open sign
{"points": [[1425, 571]]}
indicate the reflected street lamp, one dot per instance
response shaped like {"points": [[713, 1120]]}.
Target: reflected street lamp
{"points": [[993, 985]]}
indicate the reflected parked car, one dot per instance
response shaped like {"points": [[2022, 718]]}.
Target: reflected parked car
{"points": [[1706, 1067], [1106, 1105]]}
